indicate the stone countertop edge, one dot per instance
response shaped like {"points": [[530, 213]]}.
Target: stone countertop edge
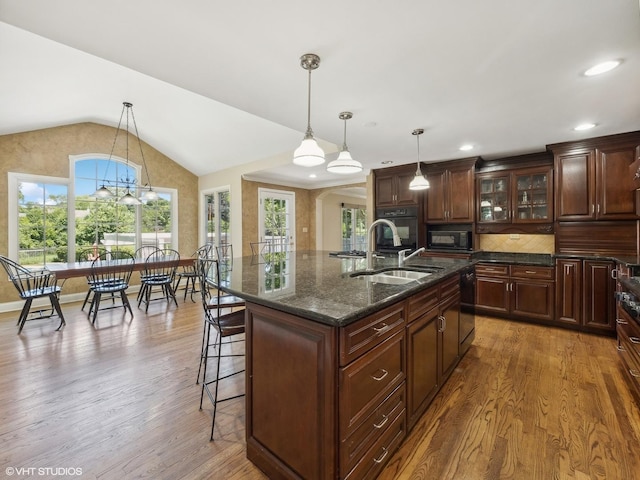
{"points": [[321, 289]]}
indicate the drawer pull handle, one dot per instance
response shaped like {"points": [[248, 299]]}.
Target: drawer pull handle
{"points": [[621, 348], [635, 340], [384, 374], [634, 373], [379, 460], [383, 423], [620, 321], [530, 271], [382, 329]]}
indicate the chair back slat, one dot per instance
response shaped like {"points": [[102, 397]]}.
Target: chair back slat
{"points": [[29, 283], [112, 268], [162, 264]]}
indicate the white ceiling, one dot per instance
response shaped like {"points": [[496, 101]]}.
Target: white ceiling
{"points": [[217, 84]]}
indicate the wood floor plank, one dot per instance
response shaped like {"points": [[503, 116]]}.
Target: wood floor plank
{"points": [[119, 400]]}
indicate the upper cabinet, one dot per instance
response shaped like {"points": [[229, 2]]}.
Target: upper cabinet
{"points": [[450, 198], [392, 186], [595, 178], [515, 199]]}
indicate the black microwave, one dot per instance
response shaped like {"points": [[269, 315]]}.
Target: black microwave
{"points": [[449, 239]]}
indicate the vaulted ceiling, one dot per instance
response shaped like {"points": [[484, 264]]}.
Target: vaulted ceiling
{"points": [[217, 84]]}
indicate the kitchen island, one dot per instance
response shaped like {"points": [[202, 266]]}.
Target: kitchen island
{"points": [[341, 365]]}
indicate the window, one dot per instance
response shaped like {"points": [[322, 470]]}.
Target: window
{"points": [[55, 218], [217, 217], [38, 208], [104, 221], [276, 219], [354, 227]]}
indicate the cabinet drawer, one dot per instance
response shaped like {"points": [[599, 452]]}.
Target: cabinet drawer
{"points": [[422, 302], [363, 335], [353, 447], [629, 348], [531, 271], [367, 381], [374, 460], [450, 287], [492, 270]]}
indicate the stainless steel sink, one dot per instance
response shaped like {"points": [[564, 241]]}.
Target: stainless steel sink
{"points": [[412, 274], [382, 278]]}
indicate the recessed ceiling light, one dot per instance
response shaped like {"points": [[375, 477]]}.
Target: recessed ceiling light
{"points": [[602, 68], [584, 126], [387, 162], [467, 147], [313, 175]]}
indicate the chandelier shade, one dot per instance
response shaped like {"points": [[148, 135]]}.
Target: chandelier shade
{"points": [[344, 164], [419, 182], [309, 153], [129, 185]]}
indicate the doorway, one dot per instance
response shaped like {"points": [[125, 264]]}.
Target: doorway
{"points": [[277, 219]]}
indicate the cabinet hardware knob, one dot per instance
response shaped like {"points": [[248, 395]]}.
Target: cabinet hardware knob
{"points": [[634, 373], [379, 460], [620, 348], [620, 321], [381, 329], [614, 274], [384, 374], [635, 340], [383, 423]]}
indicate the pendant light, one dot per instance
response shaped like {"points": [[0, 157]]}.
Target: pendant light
{"points": [[344, 164], [419, 182], [309, 153]]}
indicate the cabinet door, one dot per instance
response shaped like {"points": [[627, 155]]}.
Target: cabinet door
{"points": [[568, 291], [492, 294], [461, 197], [385, 190], [436, 197], [493, 199], [532, 299], [598, 302], [404, 196], [450, 328], [575, 186], [532, 196], [422, 364], [616, 190]]}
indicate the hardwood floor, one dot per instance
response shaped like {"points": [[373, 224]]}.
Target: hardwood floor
{"points": [[119, 401]]}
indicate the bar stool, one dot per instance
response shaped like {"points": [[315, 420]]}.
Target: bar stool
{"points": [[229, 328]]}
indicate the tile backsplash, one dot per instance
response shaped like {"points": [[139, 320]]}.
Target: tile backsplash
{"points": [[516, 243]]}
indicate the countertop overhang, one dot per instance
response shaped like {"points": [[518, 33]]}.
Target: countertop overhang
{"points": [[319, 287]]}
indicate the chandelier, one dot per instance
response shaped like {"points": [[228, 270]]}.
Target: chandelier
{"points": [[128, 185]]}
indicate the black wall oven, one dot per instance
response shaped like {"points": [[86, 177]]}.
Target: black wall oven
{"points": [[406, 222]]}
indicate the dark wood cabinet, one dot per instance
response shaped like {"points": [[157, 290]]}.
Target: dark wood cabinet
{"points": [[432, 344], [585, 294], [392, 186], [595, 178], [450, 197], [518, 200], [523, 291]]}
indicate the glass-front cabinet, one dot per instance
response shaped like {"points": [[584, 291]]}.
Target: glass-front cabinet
{"points": [[494, 199], [532, 198], [518, 200]]}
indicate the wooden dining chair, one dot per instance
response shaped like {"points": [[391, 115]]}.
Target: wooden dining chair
{"points": [[159, 272], [110, 275], [89, 254], [190, 272], [32, 284]]}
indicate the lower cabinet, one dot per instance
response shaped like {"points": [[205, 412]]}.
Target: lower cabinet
{"points": [[432, 344], [585, 294], [329, 402], [523, 291]]}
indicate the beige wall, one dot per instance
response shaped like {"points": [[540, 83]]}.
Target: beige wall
{"points": [[331, 220], [46, 152]]}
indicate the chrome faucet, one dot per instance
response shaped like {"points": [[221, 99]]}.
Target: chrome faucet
{"points": [[402, 258], [372, 243]]}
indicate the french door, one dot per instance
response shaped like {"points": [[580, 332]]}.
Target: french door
{"points": [[277, 219]]}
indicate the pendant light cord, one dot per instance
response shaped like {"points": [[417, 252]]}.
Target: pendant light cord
{"points": [[309, 131]]}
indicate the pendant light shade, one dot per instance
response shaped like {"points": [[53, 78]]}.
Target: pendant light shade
{"points": [[419, 182], [309, 153], [344, 164]]}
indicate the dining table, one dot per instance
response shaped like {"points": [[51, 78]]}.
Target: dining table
{"points": [[68, 270]]}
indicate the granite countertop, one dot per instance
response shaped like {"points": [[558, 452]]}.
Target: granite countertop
{"points": [[314, 285]]}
